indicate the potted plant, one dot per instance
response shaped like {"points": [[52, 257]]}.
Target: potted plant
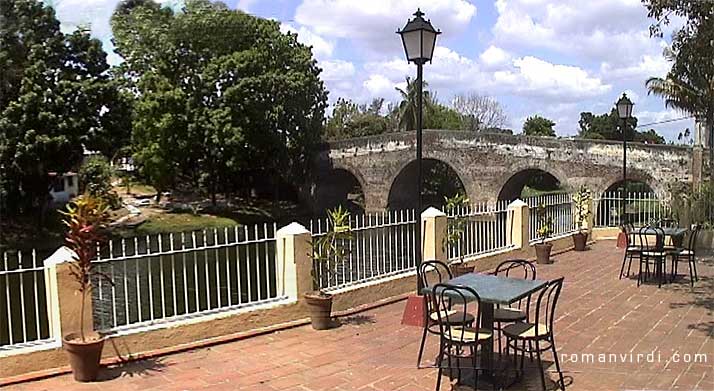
{"points": [[581, 202], [454, 230], [545, 230], [85, 219], [328, 252]]}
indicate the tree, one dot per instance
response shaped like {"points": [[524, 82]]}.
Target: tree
{"points": [[408, 107], [480, 112], [606, 126], [95, 179], [222, 95], [538, 126], [350, 120], [53, 91], [689, 85], [438, 116]]}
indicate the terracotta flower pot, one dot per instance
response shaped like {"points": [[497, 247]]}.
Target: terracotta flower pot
{"points": [[84, 356], [580, 240], [320, 307], [543, 253], [459, 269]]}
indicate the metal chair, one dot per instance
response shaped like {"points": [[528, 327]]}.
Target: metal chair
{"points": [[432, 273], [456, 338], [633, 248], [515, 268], [653, 253], [690, 254], [668, 223], [538, 334]]}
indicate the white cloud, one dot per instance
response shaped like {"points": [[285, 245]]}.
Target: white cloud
{"points": [[494, 57], [370, 22], [648, 66], [321, 47]]}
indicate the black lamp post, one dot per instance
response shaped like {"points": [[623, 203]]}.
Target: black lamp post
{"points": [[624, 111], [419, 39]]}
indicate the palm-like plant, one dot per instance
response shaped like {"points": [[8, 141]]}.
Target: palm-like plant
{"points": [[408, 108]]}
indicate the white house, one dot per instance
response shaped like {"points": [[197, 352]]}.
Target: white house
{"points": [[64, 187]]}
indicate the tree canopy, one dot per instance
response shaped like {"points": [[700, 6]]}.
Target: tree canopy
{"points": [[55, 98], [538, 126], [222, 95]]}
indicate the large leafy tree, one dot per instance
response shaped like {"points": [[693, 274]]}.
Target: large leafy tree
{"points": [[349, 120], [221, 95], [538, 126], [54, 92], [608, 126]]}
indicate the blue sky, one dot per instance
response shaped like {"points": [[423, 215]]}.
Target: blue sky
{"points": [[554, 58]]}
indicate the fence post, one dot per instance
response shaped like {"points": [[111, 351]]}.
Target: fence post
{"points": [[294, 266], [517, 220], [434, 222], [63, 300]]}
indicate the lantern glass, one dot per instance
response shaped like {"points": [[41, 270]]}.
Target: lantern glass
{"points": [[428, 43], [412, 44], [624, 107]]}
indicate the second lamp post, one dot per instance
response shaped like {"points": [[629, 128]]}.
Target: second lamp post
{"points": [[624, 111], [419, 40]]}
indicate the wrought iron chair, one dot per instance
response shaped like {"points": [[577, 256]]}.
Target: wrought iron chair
{"points": [[518, 312], [688, 253], [432, 273], [633, 248], [456, 338], [538, 336], [653, 253]]}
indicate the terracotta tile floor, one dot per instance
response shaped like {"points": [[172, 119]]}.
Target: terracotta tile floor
{"points": [[371, 351]]}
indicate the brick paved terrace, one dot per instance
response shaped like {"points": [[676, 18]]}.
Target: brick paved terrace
{"points": [[597, 314]]}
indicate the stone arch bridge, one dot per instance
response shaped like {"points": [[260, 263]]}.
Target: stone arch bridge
{"points": [[493, 166]]}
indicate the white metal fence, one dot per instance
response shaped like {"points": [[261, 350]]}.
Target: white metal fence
{"points": [[484, 229], [382, 244], [165, 277], [23, 301], [640, 208], [559, 207]]}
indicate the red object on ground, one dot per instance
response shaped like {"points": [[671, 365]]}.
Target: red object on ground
{"points": [[414, 311], [621, 240]]}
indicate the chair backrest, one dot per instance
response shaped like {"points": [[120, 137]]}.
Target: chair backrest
{"points": [[546, 303], [446, 296], [433, 272], [516, 268], [647, 240], [693, 233]]}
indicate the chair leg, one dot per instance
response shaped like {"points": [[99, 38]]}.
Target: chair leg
{"points": [[694, 263], [629, 264], [540, 370], [622, 268], [473, 364], [557, 366], [421, 346], [439, 359]]}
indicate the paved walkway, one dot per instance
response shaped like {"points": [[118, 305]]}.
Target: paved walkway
{"points": [[598, 314]]}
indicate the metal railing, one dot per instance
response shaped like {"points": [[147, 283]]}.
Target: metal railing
{"points": [[640, 208], [484, 229], [382, 244], [23, 301], [167, 277], [559, 207]]}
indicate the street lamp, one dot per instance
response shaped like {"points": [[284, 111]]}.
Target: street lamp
{"points": [[419, 40], [624, 111]]}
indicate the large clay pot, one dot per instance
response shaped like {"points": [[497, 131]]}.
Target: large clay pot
{"points": [[543, 253], [580, 240], [320, 307], [84, 356], [459, 269]]}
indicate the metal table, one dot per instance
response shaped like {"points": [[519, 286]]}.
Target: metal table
{"points": [[494, 290], [677, 234]]}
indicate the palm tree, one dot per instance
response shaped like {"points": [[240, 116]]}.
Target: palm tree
{"points": [[689, 85], [408, 108]]}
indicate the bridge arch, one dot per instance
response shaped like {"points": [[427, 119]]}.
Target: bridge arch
{"points": [[510, 187], [341, 185], [441, 179], [612, 181]]}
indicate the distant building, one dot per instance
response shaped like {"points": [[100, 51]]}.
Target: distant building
{"points": [[64, 187]]}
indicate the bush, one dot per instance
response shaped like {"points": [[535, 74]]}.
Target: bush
{"points": [[95, 179]]}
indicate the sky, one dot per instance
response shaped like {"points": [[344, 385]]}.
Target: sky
{"points": [[554, 58]]}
